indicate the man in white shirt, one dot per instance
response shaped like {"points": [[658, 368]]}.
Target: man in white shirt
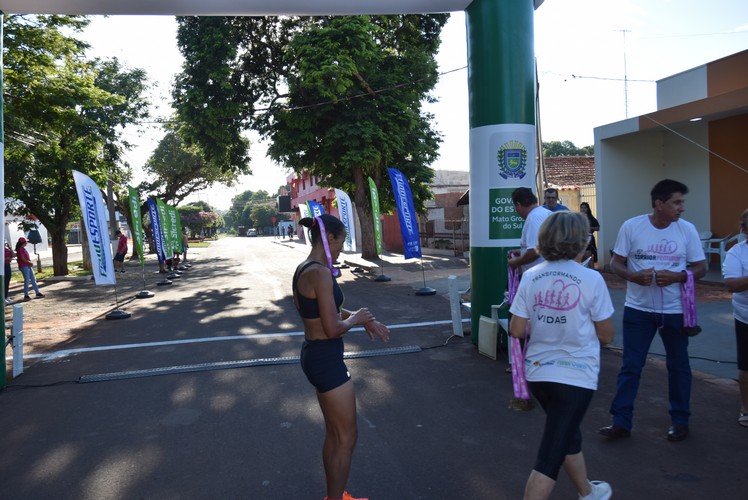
{"points": [[526, 206], [651, 253]]}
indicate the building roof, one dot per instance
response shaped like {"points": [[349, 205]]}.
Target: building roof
{"points": [[568, 171], [562, 172]]}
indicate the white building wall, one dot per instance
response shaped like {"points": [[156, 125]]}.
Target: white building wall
{"points": [[682, 88], [688, 163], [628, 166], [12, 233], [626, 169]]}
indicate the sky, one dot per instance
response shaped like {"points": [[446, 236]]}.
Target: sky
{"points": [[598, 61]]}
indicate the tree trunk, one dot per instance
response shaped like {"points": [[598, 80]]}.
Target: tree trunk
{"points": [[363, 208], [59, 253], [86, 252], [125, 210]]}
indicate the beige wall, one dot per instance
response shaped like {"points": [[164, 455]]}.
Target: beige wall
{"points": [[626, 169]]}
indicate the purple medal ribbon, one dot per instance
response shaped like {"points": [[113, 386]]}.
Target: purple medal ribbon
{"points": [[333, 270], [519, 381], [688, 295]]}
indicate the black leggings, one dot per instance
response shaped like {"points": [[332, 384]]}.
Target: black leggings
{"points": [[7, 279], [741, 339], [564, 406]]}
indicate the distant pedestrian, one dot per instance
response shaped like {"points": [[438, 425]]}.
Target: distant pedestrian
{"points": [[9, 255], [654, 253], [27, 269], [735, 271], [185, 245], [119, 256], [290, 232], [591, 251], [567, 309], [551, 200]]}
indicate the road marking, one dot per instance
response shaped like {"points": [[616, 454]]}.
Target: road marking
{"points": [[246, 363], [255, 336]]}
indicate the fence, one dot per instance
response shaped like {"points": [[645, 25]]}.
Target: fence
{"points": [[446, 234], [588, 193]]}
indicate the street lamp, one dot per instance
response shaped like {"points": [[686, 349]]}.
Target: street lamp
{"points": [[34, 238]]}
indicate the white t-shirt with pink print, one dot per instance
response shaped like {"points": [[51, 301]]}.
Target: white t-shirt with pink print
{"points": [[644, 247], [561, 300]]}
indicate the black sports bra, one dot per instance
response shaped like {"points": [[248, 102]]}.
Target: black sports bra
{"points": [[309, 308]]}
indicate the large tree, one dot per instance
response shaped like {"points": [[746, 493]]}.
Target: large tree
{"points": [[63, 112], [176, 170], [342, 97], [209, 95], [240, 212]]}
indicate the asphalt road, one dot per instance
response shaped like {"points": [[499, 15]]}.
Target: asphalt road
{"points": [[197, 396]]}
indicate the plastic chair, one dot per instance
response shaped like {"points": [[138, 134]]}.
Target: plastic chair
{"points": [[705, 236]]}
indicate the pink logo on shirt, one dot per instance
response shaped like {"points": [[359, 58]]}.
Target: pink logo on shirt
{"points": [[663, 247], [560, 297]]}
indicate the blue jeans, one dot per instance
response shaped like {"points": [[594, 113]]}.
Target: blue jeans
{"points": [[28, 277], [639, 328]]}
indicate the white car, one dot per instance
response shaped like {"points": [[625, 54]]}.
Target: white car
{"points": [[251, 232]]}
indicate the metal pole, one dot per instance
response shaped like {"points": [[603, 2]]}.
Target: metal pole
{"points": [[2, 184], [110, 207]]}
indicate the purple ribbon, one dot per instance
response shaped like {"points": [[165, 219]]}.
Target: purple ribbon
{"points": [[688, 295], [513, 284], [519, 381], [333, 270]]}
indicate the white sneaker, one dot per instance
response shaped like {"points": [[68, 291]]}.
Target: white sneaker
{"points": [[600, 491]]}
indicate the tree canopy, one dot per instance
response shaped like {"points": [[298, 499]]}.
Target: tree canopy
{"points": [[177, 170], [244, 210], [62, 112], [342, 95], [566, 148]]}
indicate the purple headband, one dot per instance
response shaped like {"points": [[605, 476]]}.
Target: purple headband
{"points": [[333, 270]]}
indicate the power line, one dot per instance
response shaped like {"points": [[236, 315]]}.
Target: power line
{"points": [[730, 162]]}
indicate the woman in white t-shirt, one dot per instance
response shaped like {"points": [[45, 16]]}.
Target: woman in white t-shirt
{"points": [[566, 309], [735, 272]]}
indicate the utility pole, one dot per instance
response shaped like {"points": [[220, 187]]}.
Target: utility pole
{"points": [[625, 76], [110, 207]]}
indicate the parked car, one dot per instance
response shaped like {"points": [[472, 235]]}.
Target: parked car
{"points": [[251, 232]]}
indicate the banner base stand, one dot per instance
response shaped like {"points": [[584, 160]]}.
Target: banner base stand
{"points": [[118, 314], [144, 294], [382, 277], [164, 282], [427, 290]]}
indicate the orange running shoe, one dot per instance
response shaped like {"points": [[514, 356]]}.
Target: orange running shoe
{"points": [[347, 496]]}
